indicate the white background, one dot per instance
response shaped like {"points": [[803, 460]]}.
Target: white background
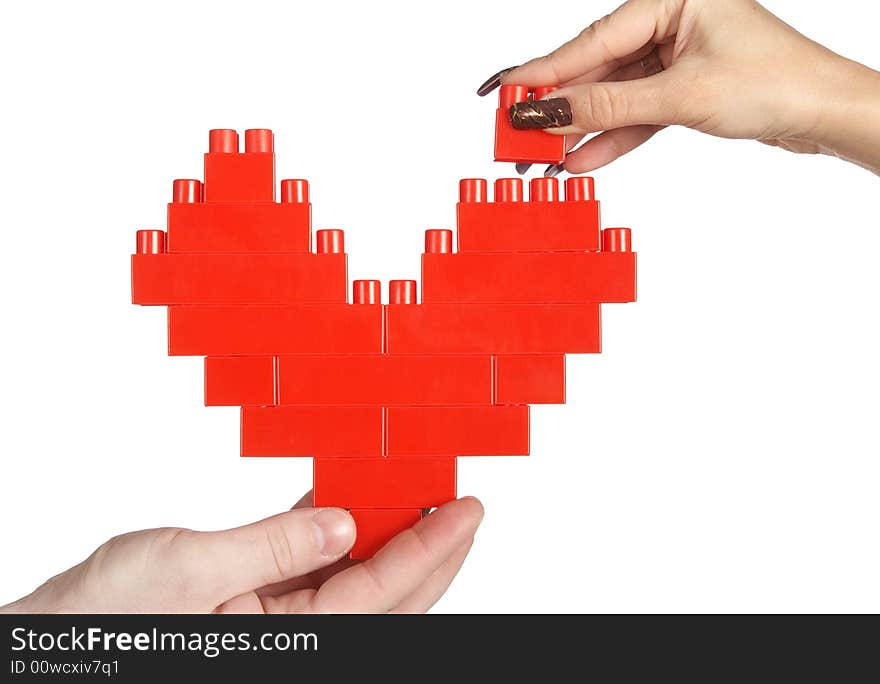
{"points": [[720, 455]]}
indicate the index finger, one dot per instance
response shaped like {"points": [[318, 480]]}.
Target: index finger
{"points": [[630, 27]]}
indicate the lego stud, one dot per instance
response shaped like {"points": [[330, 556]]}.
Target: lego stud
{"points": [[186, 191], [509, 190], [544, 190], [472, 190], [511, 94], [258, 140], [330, 241], [295, 190], [541, 91], [366, 292], [438, 241], [617, 240], [579, 189], [151, 242], [223, 140], [402, 292]]}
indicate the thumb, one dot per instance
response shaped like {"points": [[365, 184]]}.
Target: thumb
{"points": [[603, 106], [279, 548]]}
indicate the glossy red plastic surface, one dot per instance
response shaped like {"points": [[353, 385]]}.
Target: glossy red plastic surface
{"points": [[530, 379], [461, 430], [384, 482], [162, 279], [274, 329], [376, 526], [342, 431], [529, 277], [454, 328], [543, 224], [233, 176], [239, 381], [383, 380]]}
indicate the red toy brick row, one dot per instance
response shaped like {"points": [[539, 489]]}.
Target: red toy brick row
{"points": [[471, 328], [379, 380], [240, 381], [530, 379], [543, 224], [274, 329], [161, 279], [529, 277], [384, 482]]}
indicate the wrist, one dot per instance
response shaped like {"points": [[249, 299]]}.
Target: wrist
{"points": [[848, 113]]}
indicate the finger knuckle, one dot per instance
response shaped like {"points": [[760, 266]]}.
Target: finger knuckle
{"points": [[603, 107], [281, 549]]}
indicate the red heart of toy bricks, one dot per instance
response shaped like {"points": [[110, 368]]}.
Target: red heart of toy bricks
{"points": [[384, 397]]}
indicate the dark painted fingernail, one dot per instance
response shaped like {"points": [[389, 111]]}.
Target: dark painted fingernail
{"points": [[522, 168], [553, 170], [553, 113], [493, 82]]}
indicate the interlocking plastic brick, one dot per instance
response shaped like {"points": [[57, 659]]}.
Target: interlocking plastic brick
{"points": [[543, 224], [274, 329], [161, 279], [377, 526], [239, 381], [534, 146], [530, 379], [459, 430], [208, 227], [468, 328], [379, 380], [384, 482], [529, 277], [343, 431], [233, 176]]}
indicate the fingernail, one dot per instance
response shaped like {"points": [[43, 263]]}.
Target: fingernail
{"points": [[531, 114], [493, 82], [522, 168], [553, 170], [333, 530]]}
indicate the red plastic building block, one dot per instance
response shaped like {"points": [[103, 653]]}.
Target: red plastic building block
{"points": [[543, 224], [460, 430], [162, 279], [456, 328], [511, 145], [530, 379], [384, 397], [233, 176], [342, 431], [274, 329], [383, 380], [210, 227], [384, 482], [530, 277], [375, 526], [239, 381]]}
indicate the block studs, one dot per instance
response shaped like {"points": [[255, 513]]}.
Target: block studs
{"points": [[509, 190], [150, 242], [402, 292], [366, 292], [544, 190], [295, 190], [438, 241], [579, 189], [330, 241], [511, 94], [617, 240], [223, 140], [186, 191], [472, 190], [258, 140]]}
